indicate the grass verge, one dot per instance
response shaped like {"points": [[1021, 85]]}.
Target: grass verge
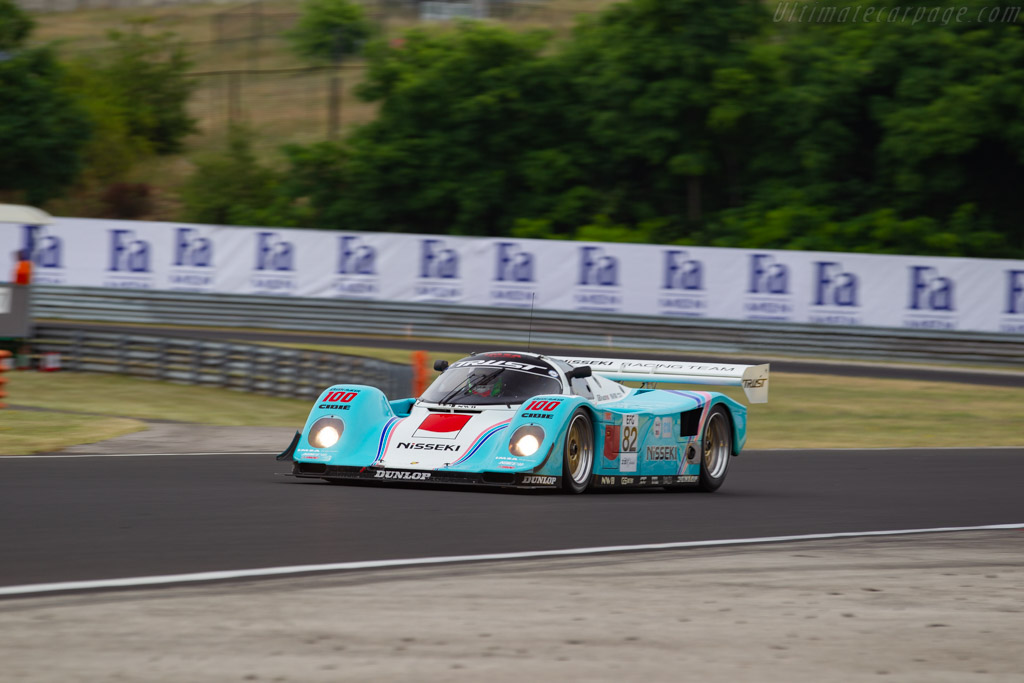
{"points": [[804, 411]]}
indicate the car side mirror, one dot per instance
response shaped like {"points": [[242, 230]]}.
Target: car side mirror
{"points": [[440, 365], [580, 372]]}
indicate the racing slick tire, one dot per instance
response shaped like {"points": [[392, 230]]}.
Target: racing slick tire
{"points": [[578, 453], [716, 450]]}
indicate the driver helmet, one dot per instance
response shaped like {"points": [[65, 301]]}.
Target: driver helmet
{"points": [[492, 388]]}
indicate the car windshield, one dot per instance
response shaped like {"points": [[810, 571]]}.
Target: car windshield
{"points": [[479, 382]]}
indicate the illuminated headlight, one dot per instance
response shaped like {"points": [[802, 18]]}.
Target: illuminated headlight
{"points": [[325, 432], [526, 440]]}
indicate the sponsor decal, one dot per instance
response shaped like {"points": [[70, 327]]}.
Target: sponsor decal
{"points": [[192, 265], [662, 453], [682, 288], [754, 383], [514, 282], [438, 273], [538, 416], [611, 440], [274, 267], [1012, 320], [664, 480], [419, 446], [656, 429], [129, 265], [768, 295], [356, 272], [544, 405], [931, 301], [402, 476], [511, 364], [598, 287], [667, 428], [835, 299], [628, 443], [686, 478], [333, 406], [442, 425], [536, 479]]}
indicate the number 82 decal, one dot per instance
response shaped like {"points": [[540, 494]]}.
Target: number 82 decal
{"points": [[630, 424]]}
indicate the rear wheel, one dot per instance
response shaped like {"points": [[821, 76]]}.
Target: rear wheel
{"points": [[578, 453], [716, 450]]}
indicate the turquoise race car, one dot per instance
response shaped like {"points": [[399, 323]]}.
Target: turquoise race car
{"points": [[524, 420]]}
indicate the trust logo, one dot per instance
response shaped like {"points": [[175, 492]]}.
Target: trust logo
{"points": [[274, 253], [46, 250], [128, 254], [438, 261], [597, 268], [513, 264], [354, 257], [191, 249], [682, 272]]}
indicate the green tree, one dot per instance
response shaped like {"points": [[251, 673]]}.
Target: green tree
{"points": [[233, 188], [144, 80], [330, 30], [42, 129]]}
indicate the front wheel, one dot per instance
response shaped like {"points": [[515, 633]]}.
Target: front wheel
{"points": [[578, 453], [716, 450]]}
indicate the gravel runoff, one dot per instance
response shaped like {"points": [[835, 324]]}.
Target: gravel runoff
{"points": [[930, 608]]}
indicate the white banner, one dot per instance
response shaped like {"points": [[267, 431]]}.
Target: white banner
{"points": [[674, 281]]}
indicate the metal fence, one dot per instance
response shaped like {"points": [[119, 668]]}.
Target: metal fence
{"points": [[515, 327], [244, 367]]}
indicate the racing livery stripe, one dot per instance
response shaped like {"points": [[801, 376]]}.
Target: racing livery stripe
{"points": [[385, 438], [481, 439]]}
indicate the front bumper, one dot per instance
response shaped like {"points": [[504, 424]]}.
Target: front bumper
{"points": [[519, 480]]}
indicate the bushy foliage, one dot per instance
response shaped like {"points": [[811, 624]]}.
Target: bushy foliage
{"points": [[694, 121], [330, 30], [42, 129]]}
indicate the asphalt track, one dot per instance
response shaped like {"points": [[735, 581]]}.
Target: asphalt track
{"points": [[89, 518]]}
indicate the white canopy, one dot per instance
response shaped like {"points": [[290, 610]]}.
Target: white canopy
{"points": [[24, 215]]}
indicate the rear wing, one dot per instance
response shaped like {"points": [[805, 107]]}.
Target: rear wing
{"points": [[753, 378]]}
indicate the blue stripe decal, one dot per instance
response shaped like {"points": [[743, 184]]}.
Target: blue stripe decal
{"points": [[494, 430], [383, 438]]}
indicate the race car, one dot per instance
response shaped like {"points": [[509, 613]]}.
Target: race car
{"points": [[524, 420]]}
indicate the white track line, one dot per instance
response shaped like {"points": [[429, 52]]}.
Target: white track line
{"points": [[135, 582]]}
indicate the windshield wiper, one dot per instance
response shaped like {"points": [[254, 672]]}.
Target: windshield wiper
{"points": [[457, 390]]}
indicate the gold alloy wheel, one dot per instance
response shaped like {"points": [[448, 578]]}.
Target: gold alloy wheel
{"points": [[717, 445], [579, 450]]}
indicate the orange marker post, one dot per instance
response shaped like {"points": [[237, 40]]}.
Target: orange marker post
{"points": [[419, 373], [4, 355]]}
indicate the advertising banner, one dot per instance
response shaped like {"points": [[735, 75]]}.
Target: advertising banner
{"points": [[824, 288]]}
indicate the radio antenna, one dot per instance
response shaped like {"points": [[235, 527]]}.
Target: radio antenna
{"points": [[529, 336]]}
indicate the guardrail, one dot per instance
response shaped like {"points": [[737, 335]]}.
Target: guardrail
{"points": [[245, 367], [513, 327]]}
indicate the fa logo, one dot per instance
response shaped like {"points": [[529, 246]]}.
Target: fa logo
{"points": [[929, 291], [1015, 291], [513, 265], [273, 253], [598, 269], [355, 258], [191, 249], [766, 276], [46, 250], [833, 286], [682, 272], [438, 262], [128, 254]]}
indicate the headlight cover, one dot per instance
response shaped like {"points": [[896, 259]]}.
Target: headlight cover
{"points": [[326, 432], [526, 440]]}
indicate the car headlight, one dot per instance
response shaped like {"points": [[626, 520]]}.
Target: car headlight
{"points": [[325, 432], [526, 440]]}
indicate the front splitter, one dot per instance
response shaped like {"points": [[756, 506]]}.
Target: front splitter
{"points": [[521, 480]]}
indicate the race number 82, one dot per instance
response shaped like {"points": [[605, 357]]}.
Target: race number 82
{"points": [[630, 424]]}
